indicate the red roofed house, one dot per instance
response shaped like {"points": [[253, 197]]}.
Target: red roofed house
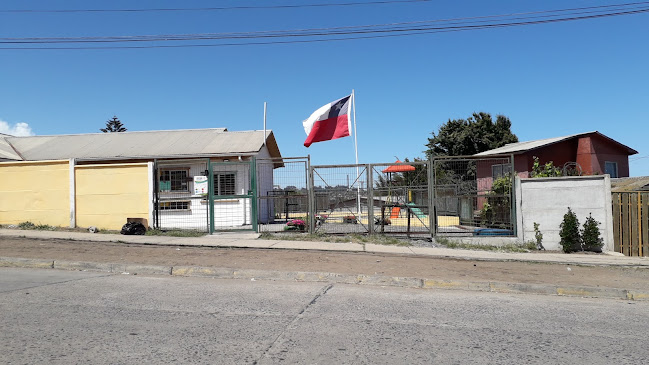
{"points": [[593, 153]]}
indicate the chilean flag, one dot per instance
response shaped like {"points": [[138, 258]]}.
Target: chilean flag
{"points": [[329, 122]]}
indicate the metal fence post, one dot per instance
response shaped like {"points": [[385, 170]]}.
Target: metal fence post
{"points": [[512, 196], [370, 199], [253, 194], [311, 197], [210, 194], [432, 213]]}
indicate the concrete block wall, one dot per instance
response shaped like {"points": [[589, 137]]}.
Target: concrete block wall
{"points": [[546, 200]]}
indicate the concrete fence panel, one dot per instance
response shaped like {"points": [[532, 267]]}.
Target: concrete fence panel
{"points": [[546, 200]]}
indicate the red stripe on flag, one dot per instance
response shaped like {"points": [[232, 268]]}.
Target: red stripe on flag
{"points": [[328, 129]]}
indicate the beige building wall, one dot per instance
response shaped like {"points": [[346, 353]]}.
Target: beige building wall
{"points": [[106, 195], [38, 192]]}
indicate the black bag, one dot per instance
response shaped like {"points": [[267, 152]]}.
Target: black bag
{"points": [[131, 228]]}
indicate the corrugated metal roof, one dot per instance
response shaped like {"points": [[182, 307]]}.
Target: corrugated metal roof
{"points": [[519, 147], [627, 184], [143, 145]]}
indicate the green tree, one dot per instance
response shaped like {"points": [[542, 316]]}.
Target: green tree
{"points": [[590, 235], [464, 137], [569, 233], [113, 125]]}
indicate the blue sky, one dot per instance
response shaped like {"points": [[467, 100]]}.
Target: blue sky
{"points": [[549, 79]]}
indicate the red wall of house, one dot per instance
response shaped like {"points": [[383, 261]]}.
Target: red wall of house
{"points": [[590, 152], [602, 150]]}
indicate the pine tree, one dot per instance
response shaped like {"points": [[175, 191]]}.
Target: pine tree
{"points": [[570, 238], [590, 235], [113, 125]]}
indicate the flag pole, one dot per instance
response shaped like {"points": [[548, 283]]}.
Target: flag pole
{"points": [[358, 186]]}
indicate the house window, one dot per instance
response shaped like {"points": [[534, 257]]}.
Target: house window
{"points": [[500, 170], [224, 183], [175, 205], [174, 180], [610, 168]]}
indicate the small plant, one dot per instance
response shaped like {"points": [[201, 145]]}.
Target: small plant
{"points": [[26, 225], [547, 170], [538, 236], [590, 235], [569, 233]]}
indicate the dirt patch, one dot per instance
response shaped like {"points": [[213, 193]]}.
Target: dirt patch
{"points": [[336, 262]]}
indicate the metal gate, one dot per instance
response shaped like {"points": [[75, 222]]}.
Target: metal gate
{"points": [[177, 204], [231, 195], [282, 193], [339, 199], [205, 196], [474, 196], [401, 198], [372, 199]]}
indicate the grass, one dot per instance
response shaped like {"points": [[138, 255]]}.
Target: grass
{"points": [[510, 247], [354, 238], [36, 227], [151, 232], [174, 233]]}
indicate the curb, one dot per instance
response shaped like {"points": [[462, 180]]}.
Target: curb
{"points": [[304, 276]]}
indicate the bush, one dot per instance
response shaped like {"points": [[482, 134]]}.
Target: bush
{"points": [[539, 237], [569, 233], [547, 170], [590, 236]]}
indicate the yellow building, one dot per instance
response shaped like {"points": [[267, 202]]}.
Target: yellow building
{"points": [[102, 179]]}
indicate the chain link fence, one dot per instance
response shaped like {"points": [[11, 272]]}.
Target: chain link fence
{"points": [[474, 196]]}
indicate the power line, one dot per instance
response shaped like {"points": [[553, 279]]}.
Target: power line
{"points": [[334, 34], [221, 8], [388, 26]]}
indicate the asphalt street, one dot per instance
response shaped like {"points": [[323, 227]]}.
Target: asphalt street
{"points": [[70, 317]]}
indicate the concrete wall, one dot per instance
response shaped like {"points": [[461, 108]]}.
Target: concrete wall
{"points": [[546, 200], [38, 192], [108, 194]]}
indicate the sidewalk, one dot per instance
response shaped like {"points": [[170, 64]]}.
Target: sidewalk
{"points": [[250, 240]]}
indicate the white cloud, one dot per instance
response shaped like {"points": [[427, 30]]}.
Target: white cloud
{"points": [[18, 129]]}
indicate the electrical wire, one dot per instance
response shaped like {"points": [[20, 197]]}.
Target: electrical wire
{"points": [[262, 7], [342, 33]]}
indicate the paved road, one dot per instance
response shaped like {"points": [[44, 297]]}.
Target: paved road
{"points": [[64, 317]]}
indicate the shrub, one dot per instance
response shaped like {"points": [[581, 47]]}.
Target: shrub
{"points": [[496, 211], [569, 233], [26, 225], [547, 170], [590, 236], [539, 237]]}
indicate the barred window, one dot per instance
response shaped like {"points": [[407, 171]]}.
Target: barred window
{"points": [[175, 205], [174, 180], [225, 183]]}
